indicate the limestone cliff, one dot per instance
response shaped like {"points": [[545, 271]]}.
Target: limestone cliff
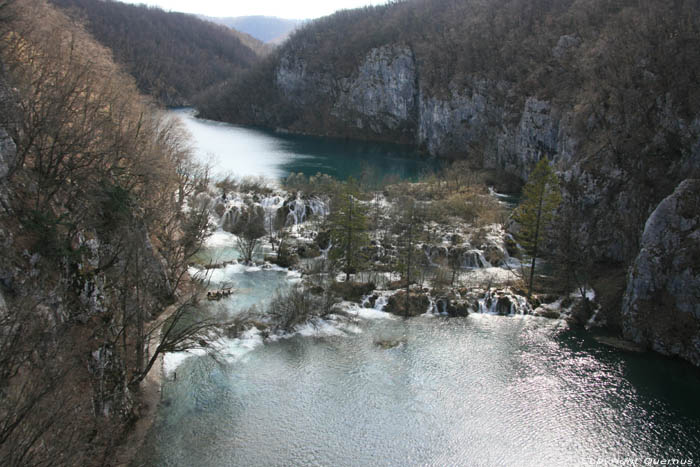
{"points": [[385, 99], [661, 307]]}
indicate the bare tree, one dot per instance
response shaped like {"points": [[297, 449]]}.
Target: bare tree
{"points": [[249, 229]]}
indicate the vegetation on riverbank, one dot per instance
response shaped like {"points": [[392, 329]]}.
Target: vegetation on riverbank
{"points": [[437, 245], [97, 228]]}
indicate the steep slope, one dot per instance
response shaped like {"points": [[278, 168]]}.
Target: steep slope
{"points": [[605, 90], [91, 239], [173, 56]]}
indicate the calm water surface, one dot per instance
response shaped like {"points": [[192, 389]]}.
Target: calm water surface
{"points": [[246, 151], [482, 390]]}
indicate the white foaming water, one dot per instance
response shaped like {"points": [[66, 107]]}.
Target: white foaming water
{"points": [[172, 360], [495, 302], [320, 328], [272, 202], [230, 349], [361, 311], [233, 349], [220, 238], [299, 206], [221, 275]]}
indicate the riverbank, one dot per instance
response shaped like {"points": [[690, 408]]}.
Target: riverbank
{"points": [[148, 396]]}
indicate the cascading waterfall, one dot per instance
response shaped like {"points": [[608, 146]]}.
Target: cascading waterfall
{"points": [[473, 259], [429, 256], [501, 302], [230, 217], [298, 209], [272, 202], [318, 206], [270, 205], [469, 259], [379, 304], [438, 307], [297, 212], [324, 251]]}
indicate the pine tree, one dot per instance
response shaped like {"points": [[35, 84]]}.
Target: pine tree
{"points": [[348, 227], [541, 197], [406, 243]]}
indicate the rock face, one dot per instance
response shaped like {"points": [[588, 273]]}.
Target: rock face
{"points": [[384, 97], [418, 303], [8, 151], [383, 94], [661, 307]]}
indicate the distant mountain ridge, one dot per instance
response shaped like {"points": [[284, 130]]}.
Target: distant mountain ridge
{"points": [[268, 29]]}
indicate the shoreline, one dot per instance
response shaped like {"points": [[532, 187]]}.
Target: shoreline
{"points": [[148, 396]]}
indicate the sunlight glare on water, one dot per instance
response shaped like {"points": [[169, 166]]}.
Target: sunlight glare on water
{"points": [[481, 390]]}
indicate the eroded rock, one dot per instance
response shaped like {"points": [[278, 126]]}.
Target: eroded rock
{"points": [[661, 306]]}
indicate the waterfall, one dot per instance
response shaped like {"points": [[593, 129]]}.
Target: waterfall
{"points": [[230, 217], [502, 302], [324, 252], [272, 202], [381, 303], [474, 259], [299, 207], [438, 307], [318, 206], [297, 212], [433, 252], [428, 255]]}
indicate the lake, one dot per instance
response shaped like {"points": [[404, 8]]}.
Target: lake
{"points": [[245, 151], [481, 390]]}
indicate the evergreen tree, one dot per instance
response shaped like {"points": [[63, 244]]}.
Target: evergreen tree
{"points": [[406, 242], [348, 227], [541, 197]]}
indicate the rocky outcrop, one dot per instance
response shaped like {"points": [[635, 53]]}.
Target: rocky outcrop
{"points": [[8, 149], [384, 98], [8, 152], [504, 302], [383, 94], [418, 303], [661, 307], [453, 306]]}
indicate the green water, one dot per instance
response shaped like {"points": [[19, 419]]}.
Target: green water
{"points": [[247, 151], [482, 390]]}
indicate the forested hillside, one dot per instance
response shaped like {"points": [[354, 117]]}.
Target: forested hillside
{"points": [[605, 90], [93, 240], [173, 56]]}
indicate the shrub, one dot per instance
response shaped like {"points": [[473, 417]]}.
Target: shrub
{"points": [[352, 291], [296, 306]]}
